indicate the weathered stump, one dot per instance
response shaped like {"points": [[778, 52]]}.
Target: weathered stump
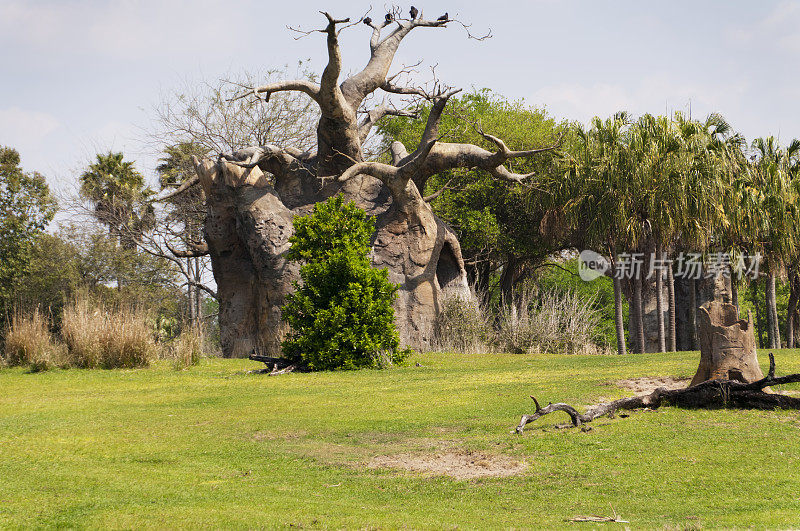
{"points": [[727, 345]]}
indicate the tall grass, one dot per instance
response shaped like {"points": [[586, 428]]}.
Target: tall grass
{"points": [[99, 337], [463, 325], [29, 342], [187, 348], [549, 321], [534, 321]]}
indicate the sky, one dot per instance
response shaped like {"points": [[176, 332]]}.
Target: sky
{"points": [[82, 77]]}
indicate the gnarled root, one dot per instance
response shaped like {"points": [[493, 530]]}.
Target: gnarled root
{"points": [[709, 394]]}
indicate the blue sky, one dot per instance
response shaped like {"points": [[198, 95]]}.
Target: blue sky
{"points": [[81, 77]]}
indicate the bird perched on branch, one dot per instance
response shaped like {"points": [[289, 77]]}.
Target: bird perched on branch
{"points": [[389, 17], [444, 18], [413, 12], [367, 21]]}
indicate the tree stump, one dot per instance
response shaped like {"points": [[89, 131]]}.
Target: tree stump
{"points": [[727, 345]]}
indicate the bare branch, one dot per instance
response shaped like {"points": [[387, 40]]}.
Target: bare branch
{"points": [[179, 190], [197, 250], [399, 152], [298, 85], [437, 193], [331, 99], [382, 52], [203, 287], [373, 115]]}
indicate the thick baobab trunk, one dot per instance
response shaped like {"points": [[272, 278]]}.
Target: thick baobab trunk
{"points": [[423, 256], [247, 229], [727, 345]]}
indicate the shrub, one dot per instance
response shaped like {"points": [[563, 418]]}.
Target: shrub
{"points": [[463, 325], [187, 348], [341, 316], [29, 342], [98, 337], [559, 323]]}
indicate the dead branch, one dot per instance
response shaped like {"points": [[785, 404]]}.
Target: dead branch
{"points": [[373, 115], [277, 366], [195, 251], [709, 394], [437, 193], [178, 191]]}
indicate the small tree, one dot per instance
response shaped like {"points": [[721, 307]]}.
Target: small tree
{"points": [[341, 315]]}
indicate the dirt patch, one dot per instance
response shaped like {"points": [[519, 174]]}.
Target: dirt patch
{"points": [[646, 385], [467, 465]]}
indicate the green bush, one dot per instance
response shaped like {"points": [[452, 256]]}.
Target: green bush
{"points": [[341, 315]]}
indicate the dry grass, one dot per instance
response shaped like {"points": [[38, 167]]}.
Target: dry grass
{"points": [[463, 326], [187, 349], [533, 322], [558, 323], [29, 342], [98, 337]]}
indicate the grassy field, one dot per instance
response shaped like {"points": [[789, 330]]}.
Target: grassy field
{"points": [[214, 446]]}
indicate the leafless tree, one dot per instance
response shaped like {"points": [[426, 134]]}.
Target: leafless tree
{"points": [[252, 193]]}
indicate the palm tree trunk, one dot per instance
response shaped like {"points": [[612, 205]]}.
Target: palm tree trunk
{"points": [[734, 292], [790, 312], [769, 298], [662, 342], [618, 316], [638, 314], [671, 310], [796, 320], [776, 322], [693, 313], [759, 313]]}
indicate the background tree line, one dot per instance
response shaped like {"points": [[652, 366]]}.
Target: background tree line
{"points": [[652, 184]]}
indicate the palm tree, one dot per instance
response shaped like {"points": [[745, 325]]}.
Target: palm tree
{"points": [[594, 196], [119, 196], [770, 178], [187, 212]]}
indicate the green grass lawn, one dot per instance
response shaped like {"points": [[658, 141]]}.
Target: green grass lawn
{"points": [[213, 446]]}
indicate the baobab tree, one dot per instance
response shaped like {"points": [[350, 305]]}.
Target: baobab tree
{"points": [[252, 194]]}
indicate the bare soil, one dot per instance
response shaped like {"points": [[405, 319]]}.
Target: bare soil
{"points": [[463, 465], [646, 384]]}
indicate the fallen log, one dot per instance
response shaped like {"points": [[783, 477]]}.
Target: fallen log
{"points": [[709, 394], [276, 366]]}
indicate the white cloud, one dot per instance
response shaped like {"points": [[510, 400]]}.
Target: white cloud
{"points": [[656, 94], [778, 27], [122, 30], [23, 129]]}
